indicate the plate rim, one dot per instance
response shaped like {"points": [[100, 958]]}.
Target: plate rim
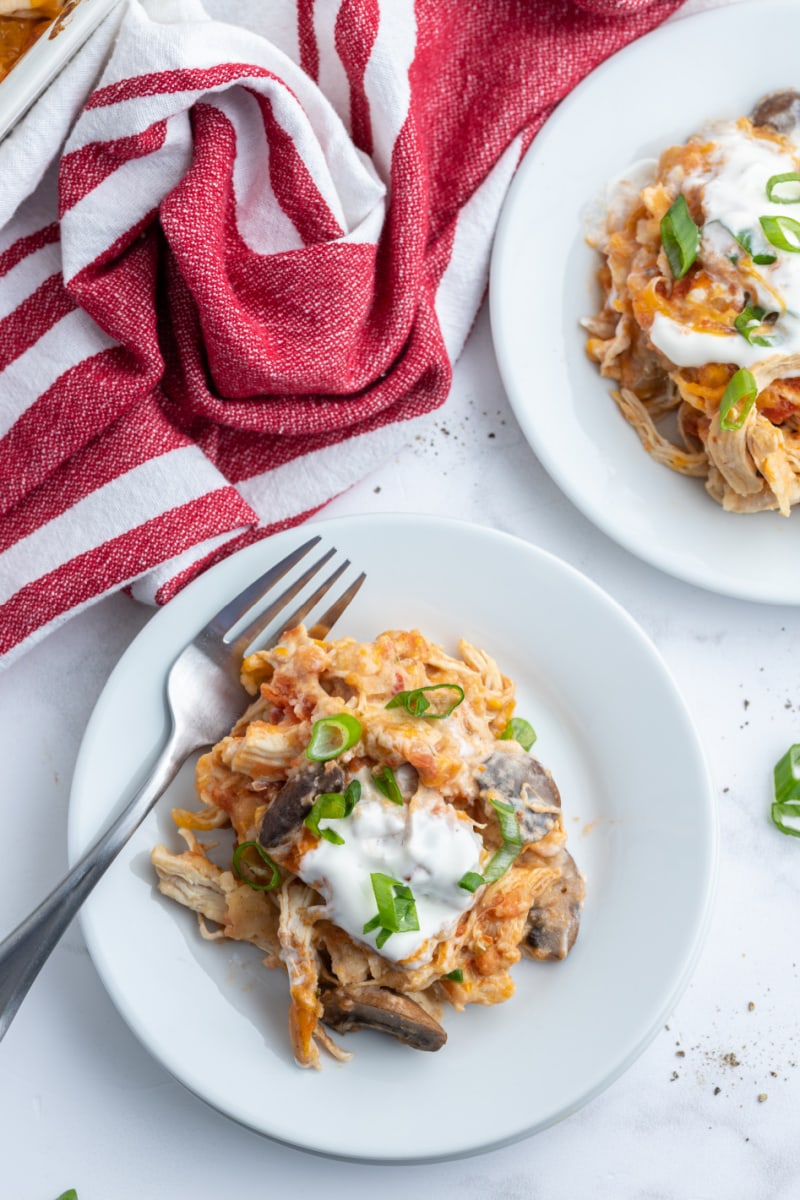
{"points": [[705, 791], [695, 571]]}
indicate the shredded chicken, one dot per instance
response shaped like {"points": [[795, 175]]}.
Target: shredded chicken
{"points": [[455, 768]]}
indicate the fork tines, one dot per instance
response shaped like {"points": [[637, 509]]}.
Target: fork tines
{"points": [[246, 603]]}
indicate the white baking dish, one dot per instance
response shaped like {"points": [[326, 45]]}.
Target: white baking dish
{"points": [[37, 68]]}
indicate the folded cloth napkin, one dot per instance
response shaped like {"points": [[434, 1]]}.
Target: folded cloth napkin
{"points": [[237, 259]]}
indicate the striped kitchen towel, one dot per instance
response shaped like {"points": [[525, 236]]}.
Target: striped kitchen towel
{"points": [[237, 259]]}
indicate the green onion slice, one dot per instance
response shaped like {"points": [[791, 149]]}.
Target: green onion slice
{"points": [[397, 911], [786, 805], [70, 1195], [748, 321], [331, 736], [501, 861], [737, 400], [333, 806], [386, 784], [680, 237], [778, 193], [457, 976], [783, 232], [247, 855], [519, 730], [509, 826], [745, 240], [418, 704], [471, 881]]}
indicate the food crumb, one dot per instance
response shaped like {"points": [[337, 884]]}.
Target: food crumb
{"points": [[750, 1006], [675, 1076], [680, 1054], [762, 1097], [717, 1091], [730, 1059]]}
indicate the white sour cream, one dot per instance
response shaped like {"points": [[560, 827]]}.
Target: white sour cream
{"points": [[422, 844], [734, 196]]}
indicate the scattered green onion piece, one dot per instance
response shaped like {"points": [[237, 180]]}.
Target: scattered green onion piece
{"points": [[774, 184], [471, 881], [397, 911], [333, 806], [745, 240], [416, 703], [680, 237], [501, 861], [70, 1195], [519, 730], [777, 231], [237, 864], [385, 782], [509, 826], [786, 805], [331, 736], [780, 812], [737, 399], [748, 320], [457, 976]]}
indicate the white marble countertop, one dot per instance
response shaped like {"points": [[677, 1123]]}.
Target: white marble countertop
{"points": [[708, 1110]]}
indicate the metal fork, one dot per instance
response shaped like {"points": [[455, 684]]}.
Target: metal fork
{"points": [[207, 668]]}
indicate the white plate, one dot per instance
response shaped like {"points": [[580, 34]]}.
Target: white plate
{"points": [[638, 808], [37, 69], [653, 94]]}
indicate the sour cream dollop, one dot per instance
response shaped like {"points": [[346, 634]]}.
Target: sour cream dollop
{"points": [[423, 844]]}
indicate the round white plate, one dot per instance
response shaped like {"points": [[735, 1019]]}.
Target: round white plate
{"points": [[638, 809], [651, 95]]}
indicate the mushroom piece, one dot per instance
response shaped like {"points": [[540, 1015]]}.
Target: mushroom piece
{"points": [[293, 802], [555, 918], [779, 110], [379, 1008], [515, 777]]}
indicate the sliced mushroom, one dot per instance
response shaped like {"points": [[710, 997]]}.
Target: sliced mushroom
{"points": [[555, 918], [379, 1008], [520, 779], [293, 802], [779, 110]]}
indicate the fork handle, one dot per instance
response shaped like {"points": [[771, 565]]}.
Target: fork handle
{"points": [[24, 952]]}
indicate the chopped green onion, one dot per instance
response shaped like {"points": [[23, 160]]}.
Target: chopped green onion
{"points": [[748, 320], [519, 730], [417, 703], [737, 400], [397, 912], [787, 777], [774, 188], [786, 805], [256, 869], [745, 240], [386, 784], [471, 881], [501, 861], [70, 1195], [509, 826], [457, 976], [680, 237], [783, 232], [333, 806], [331, 736]]}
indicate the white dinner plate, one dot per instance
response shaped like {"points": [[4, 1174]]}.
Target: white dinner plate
{"points": [[638, 808], [655, 93]]}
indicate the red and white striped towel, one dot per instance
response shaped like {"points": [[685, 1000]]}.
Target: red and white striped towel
{"points": [[253, 260]]}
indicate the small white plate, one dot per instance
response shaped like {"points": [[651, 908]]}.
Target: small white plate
{"points": [[638, 808], [651, 95], [37, 69]]}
